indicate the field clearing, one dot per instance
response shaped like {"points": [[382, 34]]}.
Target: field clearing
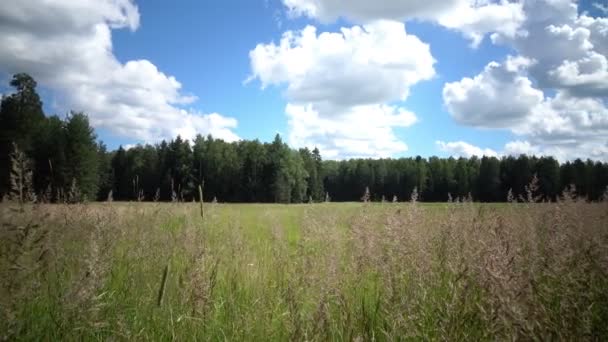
{"points": [[328, 271]]}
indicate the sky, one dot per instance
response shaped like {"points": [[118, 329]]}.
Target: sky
{"points": [[359, 78]]}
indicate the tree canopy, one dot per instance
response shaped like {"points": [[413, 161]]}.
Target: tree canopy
{"points": [[66, 156]]}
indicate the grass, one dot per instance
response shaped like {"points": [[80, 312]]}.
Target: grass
{"points": [[330, 271]]}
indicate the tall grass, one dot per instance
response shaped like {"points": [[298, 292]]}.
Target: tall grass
{"points": [[329, 271]]}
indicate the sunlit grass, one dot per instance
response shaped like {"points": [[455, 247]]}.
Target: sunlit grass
{"points": [[330, 271]]}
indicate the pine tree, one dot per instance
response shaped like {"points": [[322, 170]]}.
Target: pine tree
{"points": [[21, 116], [82, 155]]}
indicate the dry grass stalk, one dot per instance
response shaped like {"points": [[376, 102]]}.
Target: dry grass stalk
{"points": [[74, 195], [200, 196], [366, 195], [21, 186], [457, 271], [163, 286]]}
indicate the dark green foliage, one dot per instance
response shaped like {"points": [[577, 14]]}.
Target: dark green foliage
{"points": [[81, 155], [250, 171], [104, 171], [65, 153], [21, 116], [120, 175], [50, 159], [254, 158], [313, 166], [488, 183]]}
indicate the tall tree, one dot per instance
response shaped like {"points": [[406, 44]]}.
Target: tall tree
{"points": [[81, 155], [179, 163], [317, 190], [461, 178], [279, 169], [312, 164], [50, 159], [547, 171], [104, 166], [254, 159], [21, 116], [120, 174], [488, 183]]}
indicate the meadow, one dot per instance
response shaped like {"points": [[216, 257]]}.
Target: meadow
{"points": [[314, 272]]}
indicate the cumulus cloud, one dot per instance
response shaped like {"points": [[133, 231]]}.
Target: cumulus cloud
{"points": [[477, 18], [513, 148], [339, 84], [518, 147], [562, 125], [362, 10], [464, 149], [499, 97], [566, 120], [553, 94], [571, 49], [67, 46], [374, 63], [472, 17], [360, 131], [587, 76]]}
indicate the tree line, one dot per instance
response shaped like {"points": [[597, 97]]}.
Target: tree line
{"points": [[59, 159]]}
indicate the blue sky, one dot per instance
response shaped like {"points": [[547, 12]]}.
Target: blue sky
{"points": [[498, 77], [208, 54]]}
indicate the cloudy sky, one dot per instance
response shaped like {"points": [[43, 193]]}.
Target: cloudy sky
{"points": [[358, 78]]}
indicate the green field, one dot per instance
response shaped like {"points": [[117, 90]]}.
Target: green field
{"points": [[315, 272]]}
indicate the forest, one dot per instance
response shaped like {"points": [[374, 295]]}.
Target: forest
{"points": [[61, 160]]}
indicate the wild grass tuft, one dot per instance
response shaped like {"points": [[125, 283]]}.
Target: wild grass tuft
{"points": [[325, 271]]}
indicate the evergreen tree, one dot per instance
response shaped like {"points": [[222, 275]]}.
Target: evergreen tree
{"points": [[461, 178], [120, 175], [65, 157], [279, 171], [298, 177], [317, 190], [50, 159], [81, 155], [179, 161], [254, 159], [104, 166], [21, 117], [547, 172], [488, 183]]}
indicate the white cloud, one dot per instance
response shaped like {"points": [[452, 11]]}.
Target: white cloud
{"points": [[363, 10], [474, 18], [587, 76], [67, 46], [559, 52], [563, 119], [555, 101], [570, 48], [360, 65], [600, 7], [513, 148], [516, 148], [503, 97], [360, 131], [464, 149], [339, 85], [499, 97]]}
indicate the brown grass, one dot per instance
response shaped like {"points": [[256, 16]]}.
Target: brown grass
{"points": [[366, 271]]}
